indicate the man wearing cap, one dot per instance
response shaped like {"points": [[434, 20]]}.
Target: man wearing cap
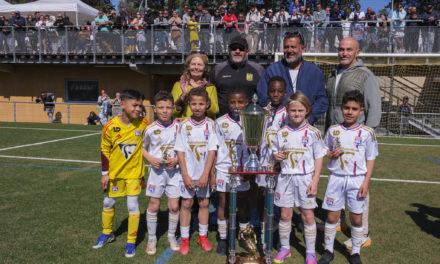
{"points": [[300, 75], [235, 73], [429, 18], [18, 22]]}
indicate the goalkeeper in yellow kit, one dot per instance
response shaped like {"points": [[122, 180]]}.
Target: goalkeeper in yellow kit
{"points": [[123, 167]]}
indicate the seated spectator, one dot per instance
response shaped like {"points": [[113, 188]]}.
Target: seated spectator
{"points": [[93, 119]]}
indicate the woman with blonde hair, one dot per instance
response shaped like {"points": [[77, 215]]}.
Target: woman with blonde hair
{"points": [[195, 75]]}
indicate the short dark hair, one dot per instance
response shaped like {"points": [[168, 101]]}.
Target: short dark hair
{"points": [[355, 96], [132, 95], [199, 91], [295, 34], [163, 95], [237, 91], [277, 79]]}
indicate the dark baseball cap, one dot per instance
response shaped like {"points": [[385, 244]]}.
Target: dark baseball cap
{"points": [[239, 41]]}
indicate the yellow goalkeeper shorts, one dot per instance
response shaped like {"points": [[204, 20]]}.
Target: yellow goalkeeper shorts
{"points": [[123, 187]]}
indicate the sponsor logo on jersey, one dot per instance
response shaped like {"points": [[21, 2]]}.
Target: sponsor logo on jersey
{"points": [[285, 134], [277, 196], [357, 141], [220, 183], [151, 188], [127, 149], [115, 188], [225, 125], [330, 201], [226, 76], [157, 132], [118, 136], [116, 129], [336, 132], [137, 132], [249, 77], [305, 140]]}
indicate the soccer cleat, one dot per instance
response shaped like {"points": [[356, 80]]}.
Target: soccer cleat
{"points": [[184, 246], [366, 241], [173, 243], [281, 255], [151, 247], [204, 242], [311, 258], [104, 239], [355, 259], [222, 247], [326, 257], [130, 250]]}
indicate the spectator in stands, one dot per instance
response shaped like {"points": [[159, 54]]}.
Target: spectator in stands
{"points": [[233, 8], [272, 32], [19, 23], [2, 36], [412, 31], [295, 6], [59, 46], [205, 30], [335, 27], [369, 13], [252, 20], [371, 32], [229, 20], [405, 112], [199, 11], [282, 18], [186, 15], [82, 41], [41, 24], [357, 11], [31, 35], [307, 22], [160, 24], [240, 26], [103, 23], [104, 107], [48, 99], [93, 119], [383, 33], [224, 5], [399, 27], [235, 73], [295, 21], [51, 34], [176, 31], [9, 40], [166, 14], [319, 17], [193, 27], [148, 21], [218, 31], [300, 75], [141, 39], [430, 19], [195, 75], [116, 109], [262, 31], [357, 32]]}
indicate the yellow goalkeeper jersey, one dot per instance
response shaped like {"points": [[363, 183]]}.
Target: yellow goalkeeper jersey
{"points": [[121, 149]]}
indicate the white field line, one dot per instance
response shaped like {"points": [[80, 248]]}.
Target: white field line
{"points": [[409, 145], [50, 141], [98, 162], [409, 137], [51, 129]]}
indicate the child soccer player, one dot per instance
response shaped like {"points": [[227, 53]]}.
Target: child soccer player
{"points": [[123, 167], [300, 150], [276, 92], [352, 149], [159, 139], [196, 145], [232, 150]]}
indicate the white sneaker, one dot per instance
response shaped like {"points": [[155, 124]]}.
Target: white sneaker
{"points": [[151, 247], [366, 241], [173, 243]]}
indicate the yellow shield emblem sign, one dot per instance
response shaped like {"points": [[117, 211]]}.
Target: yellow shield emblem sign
{"points": [[285, 134], [249, 77]]}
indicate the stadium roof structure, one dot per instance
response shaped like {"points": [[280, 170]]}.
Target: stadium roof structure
{"points": [[4, 3], [78, 11]]}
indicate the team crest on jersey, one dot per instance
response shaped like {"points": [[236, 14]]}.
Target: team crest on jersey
{"points": [[151, 188], [137, 132], [182, 188], [249, 77], [188, 127], [357, 141], [277, 197], [220, 183], [225, 125], [157, 132], [285, 134], [116, 129], [305, 140], [127, 149], [336, 132], [330, 201], [115, 188]]}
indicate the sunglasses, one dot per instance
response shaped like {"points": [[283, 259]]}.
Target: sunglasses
{"points": [[235, 47]]}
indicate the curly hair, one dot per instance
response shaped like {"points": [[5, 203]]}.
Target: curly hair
{"points": [[188, 60]]}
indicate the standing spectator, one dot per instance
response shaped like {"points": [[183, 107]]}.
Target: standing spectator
{"points": [[82, 41], [252, 20], [272, 32], [218, 31], [31, 34], [161, 33], [124, 14], [357, 31], [282, 18], [41, 24], [103, 23], [307, 22], [51, 34], [234, 10], [357, 12], [224, 5], [166, 15], [399, 27], [319, 17], [262, 31], [141, 40], [369, 13], [295, 21], [383, 33], [412, 31], [405, 112], [116, 109], [240, 26], [430, 19], [186, 16], [300, 75], [176, 31], [198, 12], [148, 21], [48, 99], [295, 6], [205, 29], [229, 20], [371, 32], [59, 46], [2, 36], [19, 23], [104, 107], [336, 15], [9, 40], [193, 27], [236, 73]]}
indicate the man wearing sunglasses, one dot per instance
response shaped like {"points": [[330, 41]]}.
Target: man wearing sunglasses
{"points": [[235, 73], [300, 75]]}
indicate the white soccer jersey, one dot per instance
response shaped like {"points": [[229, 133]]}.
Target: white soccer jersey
{"points": [[195, 140], [273, 125], [159, 140], [302, 147], [358, 144], [231, 144]]}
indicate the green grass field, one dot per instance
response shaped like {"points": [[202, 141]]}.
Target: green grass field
{"points": [[51, 207]]}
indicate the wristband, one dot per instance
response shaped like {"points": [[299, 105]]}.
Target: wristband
{"points": [[104, 173]]}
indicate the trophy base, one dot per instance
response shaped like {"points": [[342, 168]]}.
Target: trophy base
{"points": [[247, 260]]}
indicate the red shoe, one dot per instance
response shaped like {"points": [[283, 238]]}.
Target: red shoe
{"points": [[184, 246], [204, 242]]}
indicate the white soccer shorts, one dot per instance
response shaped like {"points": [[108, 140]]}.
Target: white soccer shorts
{"points": [[160, 181], [344, 189], [198, 192], [223, 183], [291, 191]]}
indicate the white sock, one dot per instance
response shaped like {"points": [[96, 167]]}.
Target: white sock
{"points": [[173, 219], [243, 226], [285, 229], [356, 239], [203, 230], [222, 228], [151, 225], [329, 235], [184, 231], [310, 237]]}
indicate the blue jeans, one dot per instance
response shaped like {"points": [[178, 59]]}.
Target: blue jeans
{"points": [[428, 35]]}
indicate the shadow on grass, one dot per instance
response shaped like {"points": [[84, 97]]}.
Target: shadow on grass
{"points": [[420, 217]]}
